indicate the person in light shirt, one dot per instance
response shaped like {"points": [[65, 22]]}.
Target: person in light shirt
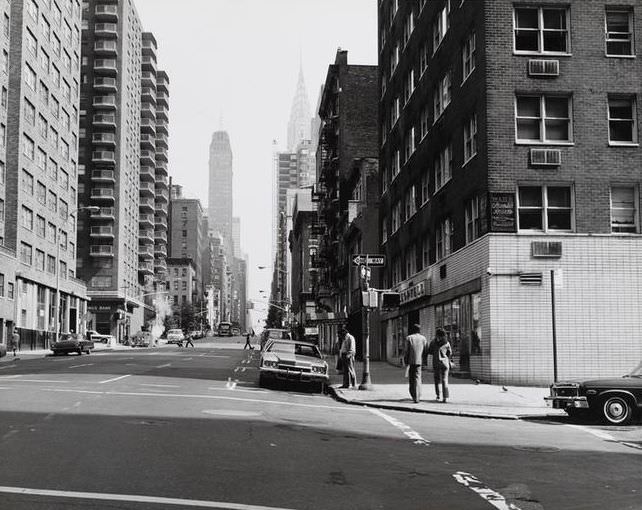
{"points": [[347, 353]]}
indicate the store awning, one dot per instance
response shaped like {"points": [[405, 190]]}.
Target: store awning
{"points": [[325, 318]]}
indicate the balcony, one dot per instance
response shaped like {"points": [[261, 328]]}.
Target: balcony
{"points": [[162, 141], [160, 250], [103, 176], [147, 189], [162, 82], [107, 102], [146, 205], [147, 111], [160, 266], [162, 195], [107, 12], [160, 236], [160, 223], [148, 79], [147, 173], [149, 63], [162, 98], [106, 231], [162, 113], [106, 48], [161, 168], [101, 250], [108, 139], [162, 126], [104, 120], [162, 182], [161, 154], [105, 84], [105, 66], [146, 220], [146, 267], [147, 141], [148, 95], [147, 157], [147, 125], [149, 45], [145, 252], [106, 157], [99, 193], [145, 237], [105, 213], [106, 29]]}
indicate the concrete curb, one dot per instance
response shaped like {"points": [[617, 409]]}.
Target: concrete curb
{"points": [[445, 412]]}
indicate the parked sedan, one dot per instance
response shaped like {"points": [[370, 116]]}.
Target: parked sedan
{"points": [[94, 336], [616, 400], [72, 342], [286, 360]]}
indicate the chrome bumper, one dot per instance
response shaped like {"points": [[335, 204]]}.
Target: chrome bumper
{"points": [[293, 375], [564, 402]]}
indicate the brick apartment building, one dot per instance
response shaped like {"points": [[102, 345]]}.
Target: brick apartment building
{"points": [[348, 133], [510, 169]]}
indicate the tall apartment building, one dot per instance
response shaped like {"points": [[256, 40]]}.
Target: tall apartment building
{"points": [[509, 182], [161, 202], [110, 165], [220, 187], [39, 82]]}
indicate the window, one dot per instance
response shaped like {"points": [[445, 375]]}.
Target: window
{"points": [[408, 27], [32, 9], [52, 201], [424, 56], [545, 208], [27, 218], [184, 285], [394, 111], [470, 138], [4, 99], [443, 167], [26, 182], [63, 209], [468, 56], [31, 43], [473, 214], [442, 96], [51, 264], [424, 122], [394, 59], [40, 260], [43, 126], [396, 217], [384, 229], [28, 147], [443, 239], [408, 86], [1, 285], [41, 193], [425, 182], [30, 77], [41, 160], [45, 28], [175, 284], [3, 175], [395, 165], [619, 32], [622, 125], [1, 210], [51, 232], [544, 119], [29, 112], [411, 203], [624, 214], [440, 26], [26, 253], [40, 226], [541, 30], [409, 144]]}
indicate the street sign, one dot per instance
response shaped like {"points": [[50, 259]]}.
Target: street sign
{"points": [[369, 260]]}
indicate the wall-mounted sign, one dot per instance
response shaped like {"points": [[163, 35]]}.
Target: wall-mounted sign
{"points": [[502, 212], [415, 292]]}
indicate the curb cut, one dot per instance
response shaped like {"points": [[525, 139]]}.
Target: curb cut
{"points": [[466, 414]]}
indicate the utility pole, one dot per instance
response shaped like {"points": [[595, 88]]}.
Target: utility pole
{"points": [[366, 383]]}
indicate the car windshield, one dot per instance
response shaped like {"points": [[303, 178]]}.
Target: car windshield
{"points": [[637, 371], [293, 348], [283, 335], [174, 332]]}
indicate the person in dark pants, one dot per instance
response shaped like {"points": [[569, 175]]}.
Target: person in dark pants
{"points": [[15, 341], [188, 340], [247, 341], [441, 353], [416, 350], [347, 352]]}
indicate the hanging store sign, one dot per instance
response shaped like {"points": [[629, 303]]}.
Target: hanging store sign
{"points": [[420, 290]]}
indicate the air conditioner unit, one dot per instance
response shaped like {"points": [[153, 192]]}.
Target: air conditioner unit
{"points": [[546, 157], [543, 67]]}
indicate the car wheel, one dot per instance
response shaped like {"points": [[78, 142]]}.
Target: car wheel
{"points": [[617, 410]]}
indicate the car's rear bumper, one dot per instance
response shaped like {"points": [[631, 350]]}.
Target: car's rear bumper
{"points": [[293, 375], [566, 402]]}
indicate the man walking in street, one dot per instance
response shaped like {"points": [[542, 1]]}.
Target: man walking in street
{"points": [[15, 341], [347, 353], [415, 352], [248, 335], [188, 340]]}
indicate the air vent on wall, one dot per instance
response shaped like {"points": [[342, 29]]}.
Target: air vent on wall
{"points": [[542, 67], [530, 278], [546, 157]]}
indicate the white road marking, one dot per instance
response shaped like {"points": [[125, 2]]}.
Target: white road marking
{"points": [[486, 493], [5, 377], [595, 432], [162, 385], [234, 387], [164, 366], [408, 432], [82, 365], [209, 397], [133, 498], [114, 379], [32, 380]]}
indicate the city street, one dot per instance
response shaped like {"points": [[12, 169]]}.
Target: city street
{"points": [[181, 428]]}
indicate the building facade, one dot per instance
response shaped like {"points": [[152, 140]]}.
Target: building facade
{"points": [[39, 110], [511, 189], [182, 285]]}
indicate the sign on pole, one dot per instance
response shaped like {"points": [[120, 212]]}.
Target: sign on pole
{"points": [[369, 260]]}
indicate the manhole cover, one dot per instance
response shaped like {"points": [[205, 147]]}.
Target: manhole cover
{"points": [[232, 413], [537, 449]]}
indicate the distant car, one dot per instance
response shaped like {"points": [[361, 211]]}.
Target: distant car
{"points": [[141, 339], [236, 331], [94, 336], [617, 400], [286, 360], [196, 334], [72, 342], [274, 334], [175, 336]]}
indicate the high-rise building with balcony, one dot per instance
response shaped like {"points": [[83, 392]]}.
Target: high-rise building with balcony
{"points": [[220, 188], [162, 182], [40, 45], [110, 166]]}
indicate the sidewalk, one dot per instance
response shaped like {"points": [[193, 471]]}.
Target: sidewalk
{"points": [[390, 391]]}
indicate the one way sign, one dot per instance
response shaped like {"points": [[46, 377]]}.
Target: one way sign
{"points": [[369, 260]]}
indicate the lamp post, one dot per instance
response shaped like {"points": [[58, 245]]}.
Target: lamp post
{"points": [[57, 268]]}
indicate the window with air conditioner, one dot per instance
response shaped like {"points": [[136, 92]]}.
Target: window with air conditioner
{"points": [[624, 210], [543, 119], [541, 30], [619, 32], [622, 120], [545, 208]]}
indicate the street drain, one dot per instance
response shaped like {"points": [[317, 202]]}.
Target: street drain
{"points": [[537, 449], [232, 413]]}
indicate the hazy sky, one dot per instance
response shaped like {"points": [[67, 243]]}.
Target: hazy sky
{"points": [[233, 64]]}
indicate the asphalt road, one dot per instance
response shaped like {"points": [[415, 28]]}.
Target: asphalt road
{"points": [[190, 428]]}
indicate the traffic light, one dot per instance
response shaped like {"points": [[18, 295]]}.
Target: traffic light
{"points": [[390, 300]]}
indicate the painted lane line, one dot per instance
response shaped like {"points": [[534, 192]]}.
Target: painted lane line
{"points": [[600, 434], [233, 386], [83, 365], [114, 379], [207, 397], [133, 498], [408, 432], [486, 493], [33, 381], [162, 385], [164, 366], [5, 377]]}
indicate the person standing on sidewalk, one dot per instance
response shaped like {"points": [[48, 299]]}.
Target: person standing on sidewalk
{"points": [[441, 353], [415, 351], [15, 341], [347, 353]]}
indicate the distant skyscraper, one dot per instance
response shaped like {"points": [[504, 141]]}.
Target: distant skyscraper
{"points": [[220, 187], [236, 236], [300, 117]]}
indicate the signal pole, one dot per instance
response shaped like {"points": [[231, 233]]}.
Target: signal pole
{"points": [[366, 383]]}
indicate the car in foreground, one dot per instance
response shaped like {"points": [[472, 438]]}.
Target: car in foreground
{"points": [[175, 336], [141, 339], [269, 334], [285, 360], [617, 401], [72, 342], [95, 337]]}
